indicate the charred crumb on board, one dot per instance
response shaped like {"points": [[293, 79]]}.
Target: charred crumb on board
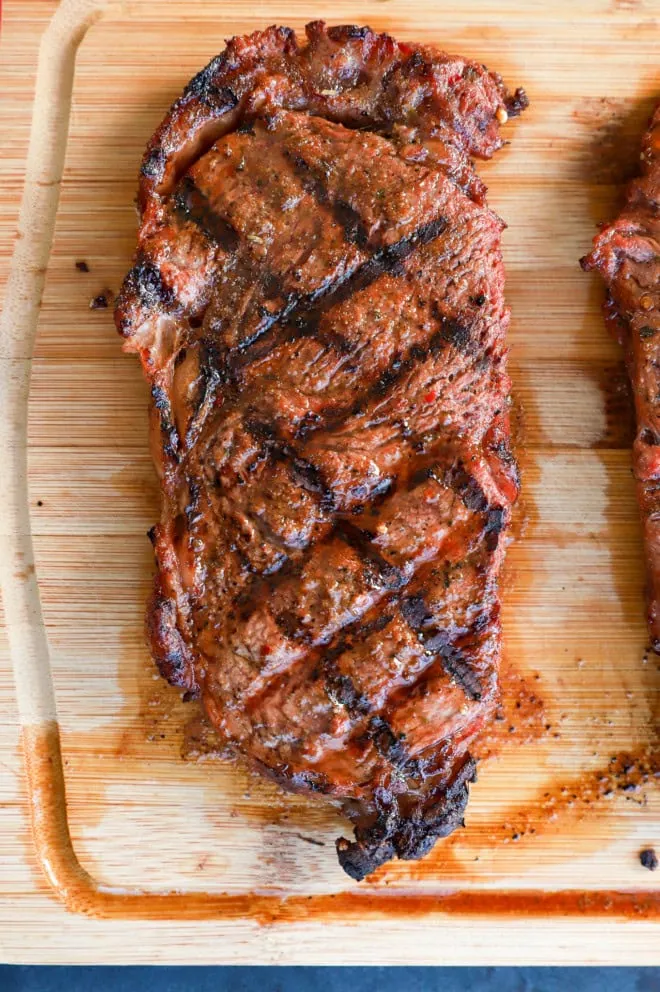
{"points": [[310, 840], [100, 302], [82, 265], [514, 105], [648, 859]]}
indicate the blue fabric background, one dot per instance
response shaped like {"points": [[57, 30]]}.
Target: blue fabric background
{"points": [[203, 979]]}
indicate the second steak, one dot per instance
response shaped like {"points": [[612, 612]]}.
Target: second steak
{"points": [[627, 255]]}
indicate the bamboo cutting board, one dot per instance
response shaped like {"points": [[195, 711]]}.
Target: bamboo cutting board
{"points": [[187, 858]]}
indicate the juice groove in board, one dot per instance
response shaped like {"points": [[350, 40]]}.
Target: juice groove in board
{"points": [[573, 610], [82, 894]]}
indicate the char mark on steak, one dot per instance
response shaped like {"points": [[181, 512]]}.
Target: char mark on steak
{"points": [[317, 302], [626, 253]]}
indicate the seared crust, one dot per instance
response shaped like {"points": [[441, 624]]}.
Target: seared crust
{"points": [[391, 835], [627, 253], [317, 302], [347, 74]]}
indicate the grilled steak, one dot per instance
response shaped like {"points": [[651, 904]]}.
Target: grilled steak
{"points": [[317, 302], [627, 255]]}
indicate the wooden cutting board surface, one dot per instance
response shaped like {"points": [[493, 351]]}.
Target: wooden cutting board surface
{"points": [[565, 801]]}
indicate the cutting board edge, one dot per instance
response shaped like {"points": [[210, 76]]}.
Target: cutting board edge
{"points": [[34, 689]]}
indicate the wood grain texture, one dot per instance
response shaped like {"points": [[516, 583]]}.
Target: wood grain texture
{"points": [[574, 629]]}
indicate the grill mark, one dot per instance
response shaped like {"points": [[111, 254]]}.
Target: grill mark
{"points": [[269, 536], [211, 377], [398, 367], [340, 687], [310, 477], [307, 475], [262, 586], [438, 642], [414, 611], [378, 571], [303, 314], [464, 485], [346, 216], [332, 419], [384, 260], [495, 524], [372, 498], [388, 745], [468, 489], [288, 623], [273, 289], [342, 690], [261, 430], [245, 352], [190, 204], [421, 475], [456, 666], [394, 372]]}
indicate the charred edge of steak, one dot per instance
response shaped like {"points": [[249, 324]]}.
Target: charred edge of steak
{"points": [[168, 646], [392, 835], [386, 74], [168, 430], [145, 288]]}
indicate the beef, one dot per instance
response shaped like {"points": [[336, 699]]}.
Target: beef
{"points": [[627, 255], [317, 302]]}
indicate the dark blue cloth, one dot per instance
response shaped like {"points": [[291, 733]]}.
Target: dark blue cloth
{"points": [[234, 979]]}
